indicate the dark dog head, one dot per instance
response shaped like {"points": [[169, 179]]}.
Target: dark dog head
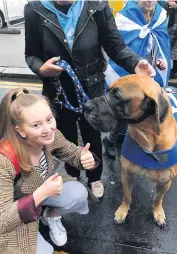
{"points": [[132, 98]]}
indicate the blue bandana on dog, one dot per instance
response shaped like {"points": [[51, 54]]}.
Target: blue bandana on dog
{"points": [[133, 152]]}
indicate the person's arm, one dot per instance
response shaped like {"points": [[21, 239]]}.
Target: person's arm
{"points": [[13, 213], [66, 151], [34, 55], [69, 152], [33, 44], [112, 42]]}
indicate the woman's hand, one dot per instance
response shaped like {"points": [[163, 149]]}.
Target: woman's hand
{"points": [[53, 185], [172, 4], [144, 68], [161, 64], [50, 188], [87, 159], [49, 69]]}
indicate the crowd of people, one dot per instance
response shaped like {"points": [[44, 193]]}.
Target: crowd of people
{"points": [[85, 36]]}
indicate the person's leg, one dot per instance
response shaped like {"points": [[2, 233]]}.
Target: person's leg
{"points": [[113, 134], [66, 123], [90, 135], [118, 133], [174, 69], [109, 142], [43, 247], [73, 199]]}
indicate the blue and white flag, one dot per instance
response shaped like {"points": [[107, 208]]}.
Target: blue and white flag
{"points": [[142, 38]]}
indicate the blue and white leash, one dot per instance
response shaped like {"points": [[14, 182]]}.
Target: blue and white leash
{"points": [[82, 98]]}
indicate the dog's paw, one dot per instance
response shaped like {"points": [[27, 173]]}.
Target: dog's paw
{"points": [[159, 217], [120, 215]]}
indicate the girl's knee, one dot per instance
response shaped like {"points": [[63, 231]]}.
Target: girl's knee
{"points": [[77, 191]]}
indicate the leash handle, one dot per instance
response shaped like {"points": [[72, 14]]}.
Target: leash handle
{"points": [[82, 97]]}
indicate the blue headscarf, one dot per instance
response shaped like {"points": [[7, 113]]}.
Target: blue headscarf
{"points": [[137, 34], [67, 21]]}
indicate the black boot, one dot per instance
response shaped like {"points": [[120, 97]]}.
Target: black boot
{"points": [[120, 138], [122, 133], [109, 148]]}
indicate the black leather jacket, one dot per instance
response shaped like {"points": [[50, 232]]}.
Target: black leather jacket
{"points": [[96, 28]]}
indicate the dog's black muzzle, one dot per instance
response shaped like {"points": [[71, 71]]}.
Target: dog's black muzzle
{"points": [[99, 114]]}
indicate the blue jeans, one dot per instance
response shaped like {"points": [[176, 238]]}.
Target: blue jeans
{"points": [[73, 199]]}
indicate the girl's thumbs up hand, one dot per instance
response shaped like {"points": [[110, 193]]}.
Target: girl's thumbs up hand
{"points": [[87, 159]]}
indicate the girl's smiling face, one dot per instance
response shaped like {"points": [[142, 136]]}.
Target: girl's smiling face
{"points": [[38, 124]]}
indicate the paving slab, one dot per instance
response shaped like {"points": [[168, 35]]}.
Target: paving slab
{"points": [[16, 72], [12, 50], [10, 31], [2, 69]]}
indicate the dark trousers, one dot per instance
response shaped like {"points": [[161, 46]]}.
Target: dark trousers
{"points": [[120, 129], [67, 123], [174, 70]]}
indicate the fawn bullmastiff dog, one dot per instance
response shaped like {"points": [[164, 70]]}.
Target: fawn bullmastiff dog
{"points": [[141, 102]]}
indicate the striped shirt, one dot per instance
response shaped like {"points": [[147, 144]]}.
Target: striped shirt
{"points": [[43, 167]]}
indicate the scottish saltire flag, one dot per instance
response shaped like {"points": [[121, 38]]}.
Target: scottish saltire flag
{"points": [[172, 94], [143, 38]]}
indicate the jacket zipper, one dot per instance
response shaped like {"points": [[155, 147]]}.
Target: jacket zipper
{"points": [[59, 28], [48, 20], [91, 16], [62, 30], [84, 26]]}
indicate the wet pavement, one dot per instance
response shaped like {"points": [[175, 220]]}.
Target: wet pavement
{"points": [[96, 233]]}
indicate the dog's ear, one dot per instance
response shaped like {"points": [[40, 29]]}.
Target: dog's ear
{"points": [[161, 110]]}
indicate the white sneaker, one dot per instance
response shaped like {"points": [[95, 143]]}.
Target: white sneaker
{"points": [[57, 232]]}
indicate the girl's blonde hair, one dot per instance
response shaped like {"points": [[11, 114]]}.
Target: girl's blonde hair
{"points": [[11, 108]]}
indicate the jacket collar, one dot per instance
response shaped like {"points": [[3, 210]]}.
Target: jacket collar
{"points": [[45, 13], [89, 8], [95, 5]]}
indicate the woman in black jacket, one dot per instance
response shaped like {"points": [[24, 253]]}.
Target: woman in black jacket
{"points": [[76, 31]]}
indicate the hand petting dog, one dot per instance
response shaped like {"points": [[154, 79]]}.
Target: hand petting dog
{"points": [[144, 68]]}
